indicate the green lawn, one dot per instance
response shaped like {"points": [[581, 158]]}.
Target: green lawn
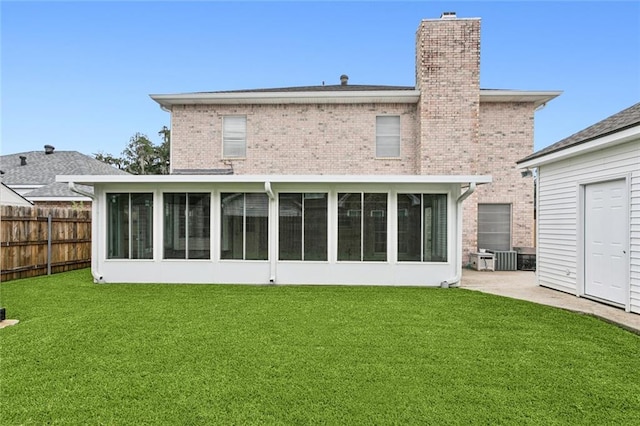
{"points": [[216, 354]]}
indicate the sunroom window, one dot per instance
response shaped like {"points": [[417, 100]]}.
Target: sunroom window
{"points": [[422, 227], [130, 226], [362, 226], [187, 225], [245, 226], [302, 226]]}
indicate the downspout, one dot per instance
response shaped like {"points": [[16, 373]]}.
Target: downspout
{"points": [[97, 277], [455, 281], [272, 255]]}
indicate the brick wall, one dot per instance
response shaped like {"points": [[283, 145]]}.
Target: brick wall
{"points": [[505, 136], [74, 205], [448, 77], [294, 139], [447, 132]]}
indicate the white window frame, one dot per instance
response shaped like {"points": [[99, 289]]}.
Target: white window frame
{"points": [[234, 136], [388, 138]]}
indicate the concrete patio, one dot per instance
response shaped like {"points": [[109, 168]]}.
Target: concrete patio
{"points": [[522, 285]]}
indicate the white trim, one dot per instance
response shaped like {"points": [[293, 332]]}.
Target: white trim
{"points": [[260, 179], [56, 199], [23, 189], [607, 141], [539, 98], [284, 97], [17, 187], [580, 236], [167, 101]]}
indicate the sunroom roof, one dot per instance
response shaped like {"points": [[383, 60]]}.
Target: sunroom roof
{"points": [[329, 179]]}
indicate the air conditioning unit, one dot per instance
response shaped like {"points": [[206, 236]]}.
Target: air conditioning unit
{"points": [[506, 260]]}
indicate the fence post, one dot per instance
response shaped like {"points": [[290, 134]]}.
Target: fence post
{"points": [[49, 228]]}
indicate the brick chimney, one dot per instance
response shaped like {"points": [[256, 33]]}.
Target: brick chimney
{"points": [[448, 77]]}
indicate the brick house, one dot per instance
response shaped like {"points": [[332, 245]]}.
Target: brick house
{"points": [[381, 169]]}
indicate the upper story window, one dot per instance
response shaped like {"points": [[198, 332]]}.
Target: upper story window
{"points": [[387, 136], [234, 136]]}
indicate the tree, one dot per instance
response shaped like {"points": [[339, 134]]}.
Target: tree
{"points": [[141, 156], [109, 159], [163, 151]]}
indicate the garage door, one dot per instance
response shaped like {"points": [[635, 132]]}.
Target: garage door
{"points": [[606, 233]]}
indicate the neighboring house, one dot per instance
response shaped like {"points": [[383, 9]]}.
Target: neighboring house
{"points": [[589, 211], [9, 197], [354, 184], [33, 175]]}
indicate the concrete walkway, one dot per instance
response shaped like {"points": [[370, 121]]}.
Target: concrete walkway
{"points": [[522, 285]]}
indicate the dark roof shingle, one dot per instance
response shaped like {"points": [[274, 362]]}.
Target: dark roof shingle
{"points": [[624, 119], [41, 168], [323, 88]]}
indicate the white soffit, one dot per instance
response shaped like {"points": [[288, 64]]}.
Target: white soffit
{"points": [[249, 98], [537, 97], [336, 97], [274, 179]]}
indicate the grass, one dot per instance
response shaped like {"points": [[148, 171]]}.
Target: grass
{"points": [[215, 354]]}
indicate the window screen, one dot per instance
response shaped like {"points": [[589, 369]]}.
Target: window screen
{"points": [[494, 226], [388, 136], [234, 136]]}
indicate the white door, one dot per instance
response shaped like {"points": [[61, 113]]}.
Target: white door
{"points": [[606, 232]]}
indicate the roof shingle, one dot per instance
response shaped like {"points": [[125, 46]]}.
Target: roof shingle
{"points": [[624, 119], [41, 169]]}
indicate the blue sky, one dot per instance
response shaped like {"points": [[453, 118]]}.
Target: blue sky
{"points": [[77, 75]]}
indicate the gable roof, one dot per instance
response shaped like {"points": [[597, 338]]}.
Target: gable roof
{"points": [[625, 119], [41, 169]]}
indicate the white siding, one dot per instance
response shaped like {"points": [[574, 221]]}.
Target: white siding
{"points": [[559, 210], [634, 228]]}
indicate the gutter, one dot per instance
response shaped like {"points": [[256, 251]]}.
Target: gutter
{"points": [[455, 281], [272, 206], [247, 98], [73, 188], [97, 277]]}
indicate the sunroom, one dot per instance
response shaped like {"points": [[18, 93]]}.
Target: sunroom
{"points": [[287, 229]]}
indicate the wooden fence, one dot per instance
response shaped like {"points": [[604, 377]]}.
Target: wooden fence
{"points": [[43, 240]]}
